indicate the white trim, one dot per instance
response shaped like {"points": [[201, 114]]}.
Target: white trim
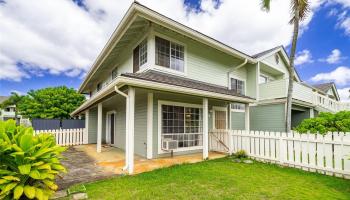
{"points": [[99, 128], [171, 40], [147, 63], [247, 118], [130, 134], [205, 129], [219, 108], [149, 125], [173, 103], [108, 127], [122, 81], [87, 115]]}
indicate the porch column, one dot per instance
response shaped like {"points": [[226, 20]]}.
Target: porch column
{"points": [[247, 118], [130, 113], [99, 127], [149, 125], [205, 129], [86, 134], [312, 113]]}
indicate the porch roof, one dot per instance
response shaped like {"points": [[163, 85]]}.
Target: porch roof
{"points": [[165, 82], [169, 79]]}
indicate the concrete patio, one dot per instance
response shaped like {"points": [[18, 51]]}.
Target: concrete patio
{"points": [[84, 164]]}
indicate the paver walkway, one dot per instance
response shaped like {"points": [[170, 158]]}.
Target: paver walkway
{"points": [[81, 168]]}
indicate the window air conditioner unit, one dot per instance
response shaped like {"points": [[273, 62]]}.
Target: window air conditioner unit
{"points": [[169, 144]]}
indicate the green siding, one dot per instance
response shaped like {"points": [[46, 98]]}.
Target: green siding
{"points": [[238, 120], [92, 136], [141, 123], [267, 117]]}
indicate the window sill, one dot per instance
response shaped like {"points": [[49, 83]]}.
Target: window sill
{"points": [[182, 149]]}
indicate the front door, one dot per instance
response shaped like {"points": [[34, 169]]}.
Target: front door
{"points": [[110, 125], [112, 121], [220, 118]]}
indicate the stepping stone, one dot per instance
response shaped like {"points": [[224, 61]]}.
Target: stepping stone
{"points": [[79, 196], [237, 160], [59, 194], [248, 161]]}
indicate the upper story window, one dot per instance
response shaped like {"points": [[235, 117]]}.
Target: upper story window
{"points": [[140, 55], [170, 55], [98, 87], [114, 73], [263, 79], [237, 86], [277, 59]]}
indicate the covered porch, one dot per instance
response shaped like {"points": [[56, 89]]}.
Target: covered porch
{"points": [[159, 121]]}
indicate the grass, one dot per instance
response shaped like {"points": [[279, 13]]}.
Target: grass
{"points": [[222, 179]]}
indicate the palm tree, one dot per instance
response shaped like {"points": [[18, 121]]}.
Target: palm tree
{"points": [[299, 11]]}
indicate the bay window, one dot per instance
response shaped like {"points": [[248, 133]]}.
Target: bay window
{"points": [[169, 54], [182, 124]]}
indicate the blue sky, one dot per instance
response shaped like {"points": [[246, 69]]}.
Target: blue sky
{"points": [[61, 50]]}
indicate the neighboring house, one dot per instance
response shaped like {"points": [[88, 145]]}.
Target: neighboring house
{"points": [[159, 85], [9, 112]]}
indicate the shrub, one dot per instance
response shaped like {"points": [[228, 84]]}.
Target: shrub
{"points": [[28, 163], [241, 154], [326, 122]]}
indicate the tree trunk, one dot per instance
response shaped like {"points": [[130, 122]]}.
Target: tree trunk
{"points": [[291, 69]]}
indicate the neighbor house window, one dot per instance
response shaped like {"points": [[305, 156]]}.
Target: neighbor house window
{"points": [[237, 86], [98, 87], [169, 54], [182, 124], [263, 79], [140, 55], [238, 106]]}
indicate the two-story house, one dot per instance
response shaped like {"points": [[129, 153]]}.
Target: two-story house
{"points": [[9, 112], [159, 87]]}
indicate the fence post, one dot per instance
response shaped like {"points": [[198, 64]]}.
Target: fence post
{"points": [[282, 150]]}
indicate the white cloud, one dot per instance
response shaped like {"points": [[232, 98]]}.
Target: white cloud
{"points": [[303, 57], [334, 57], [341, 76], [344, 94], [58, 37]]}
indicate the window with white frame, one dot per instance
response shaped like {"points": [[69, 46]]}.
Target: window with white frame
{"points": [[169, 54], [114, 73], [140, 55], [238, 86], [182, 124], [263, 79], [238, 106]]}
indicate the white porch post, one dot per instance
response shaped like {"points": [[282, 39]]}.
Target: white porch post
{"points": [[247, 118], [99, 127], [205, 129], [149, 125], [130, 131], [312, 113], [86, 134]]}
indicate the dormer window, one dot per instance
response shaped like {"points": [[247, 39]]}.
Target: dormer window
{"points": [[140, 55], [170, 54]]}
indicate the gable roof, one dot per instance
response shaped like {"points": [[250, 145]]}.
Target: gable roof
{"points": [[160, 77], [137, 9], [324, 87], [264, 54]]}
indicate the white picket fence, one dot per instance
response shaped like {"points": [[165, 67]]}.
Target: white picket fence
{"points": [[327, 154], [68, 137]]}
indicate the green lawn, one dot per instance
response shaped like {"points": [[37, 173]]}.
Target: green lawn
{"points": [[222, 179]]}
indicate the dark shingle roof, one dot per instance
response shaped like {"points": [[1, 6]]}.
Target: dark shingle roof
{"points": [[3, 98], [160, 77], [258, 55], [324, 87]]}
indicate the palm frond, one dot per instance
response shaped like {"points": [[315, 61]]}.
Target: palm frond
{"points": [[265, 5], [302, 7]]}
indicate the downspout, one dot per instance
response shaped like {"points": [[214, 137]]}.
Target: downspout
{"points": [[126, 126]]}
